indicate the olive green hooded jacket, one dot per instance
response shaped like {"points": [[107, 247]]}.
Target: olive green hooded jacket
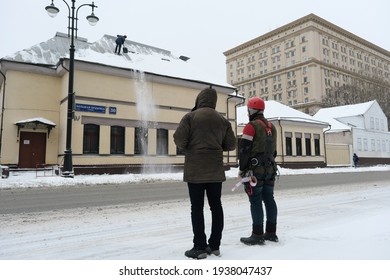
{"points": [[204, 134]]}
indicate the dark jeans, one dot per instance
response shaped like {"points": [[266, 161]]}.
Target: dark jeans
{"points": [[118, 49], [263, 194], [213, 192]]}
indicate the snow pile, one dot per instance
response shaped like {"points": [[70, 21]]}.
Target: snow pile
{"points": [[41, 179]]}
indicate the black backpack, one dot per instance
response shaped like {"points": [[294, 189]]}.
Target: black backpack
{"points": [[264, 165]]}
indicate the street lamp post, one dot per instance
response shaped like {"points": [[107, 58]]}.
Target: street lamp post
{"points": [[52, 10]]}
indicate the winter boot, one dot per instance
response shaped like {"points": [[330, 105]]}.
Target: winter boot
{"points": [[214, 252], [270, 232], [254, 239], [270, 236], [196, 253]]}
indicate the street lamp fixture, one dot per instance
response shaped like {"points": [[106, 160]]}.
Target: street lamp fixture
{"points": [[67, 170], [52, 10]]}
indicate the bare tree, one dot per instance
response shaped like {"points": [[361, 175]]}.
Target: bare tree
{"points": [[359, 91]]}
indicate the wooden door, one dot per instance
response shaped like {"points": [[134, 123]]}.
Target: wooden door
{"points": [[32, 149]]}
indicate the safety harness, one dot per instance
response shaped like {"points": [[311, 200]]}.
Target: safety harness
{"points": [[263, 163]]}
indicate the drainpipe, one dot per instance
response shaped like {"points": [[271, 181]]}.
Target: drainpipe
{"points": [[281, 138], [326, 160], [227, 116], [2, 116]]}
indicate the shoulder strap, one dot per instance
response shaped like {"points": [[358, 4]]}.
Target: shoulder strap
{"points": [[267, 127]]}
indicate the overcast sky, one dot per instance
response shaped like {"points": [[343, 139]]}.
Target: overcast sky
{"points": [[199, 29]]}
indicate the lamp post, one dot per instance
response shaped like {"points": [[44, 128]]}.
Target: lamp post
{"points": [[52, 10]]}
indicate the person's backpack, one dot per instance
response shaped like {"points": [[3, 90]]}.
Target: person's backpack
{"points": [[266, 166]]}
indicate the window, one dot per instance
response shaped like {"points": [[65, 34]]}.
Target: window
{"points": [[308, 144], [288, 136], [317, 149], [117, 140], [162, 141], [141, 141], [360, 145], [91, 139], [298, 143]]}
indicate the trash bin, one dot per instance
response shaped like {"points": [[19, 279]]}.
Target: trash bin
{"points": [[4, 172]]}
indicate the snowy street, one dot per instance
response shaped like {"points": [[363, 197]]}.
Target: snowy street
{"points": [[348, 222]]}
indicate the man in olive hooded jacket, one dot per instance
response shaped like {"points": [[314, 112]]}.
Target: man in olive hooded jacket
{"points": [[204, 135]]}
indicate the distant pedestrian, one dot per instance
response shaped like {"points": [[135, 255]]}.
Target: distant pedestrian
{"points": [[204, 134], [355, 159], [120, 40]]}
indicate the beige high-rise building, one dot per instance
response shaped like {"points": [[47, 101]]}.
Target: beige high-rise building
{"points": [[303, 61]]}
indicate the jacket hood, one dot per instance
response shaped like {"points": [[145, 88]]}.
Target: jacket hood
{"points": [[206, 98]]}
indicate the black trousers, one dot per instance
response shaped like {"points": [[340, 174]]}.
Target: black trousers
{"points": [[118, 48], [213, 192]]}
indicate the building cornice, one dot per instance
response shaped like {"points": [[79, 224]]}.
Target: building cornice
{"points": [[63, 65], [46, 69]]}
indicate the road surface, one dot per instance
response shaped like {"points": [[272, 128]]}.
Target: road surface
{"points": [[68, 197]]}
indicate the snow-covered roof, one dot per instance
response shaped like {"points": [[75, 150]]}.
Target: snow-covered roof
{"points": [[36, 120], [332, 114], [139, 57], [346, 110], [335, 125], [277, 111]]}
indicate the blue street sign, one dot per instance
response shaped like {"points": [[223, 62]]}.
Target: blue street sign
{"points": [[91, 108], [112, 110]]}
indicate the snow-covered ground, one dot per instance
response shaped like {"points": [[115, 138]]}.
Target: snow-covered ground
{"points": [[46, 179], [348, 222]]}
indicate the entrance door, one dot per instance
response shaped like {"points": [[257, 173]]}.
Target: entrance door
{"points": [[32, 149]]}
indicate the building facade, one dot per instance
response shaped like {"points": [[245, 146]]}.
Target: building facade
{"points": [[302, 62], [126, 107], [359, 128]]}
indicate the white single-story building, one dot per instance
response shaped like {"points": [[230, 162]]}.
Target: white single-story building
{"points": [[358, 128]]}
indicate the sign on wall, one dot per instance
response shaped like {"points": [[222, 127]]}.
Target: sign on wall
{"points": [[95, 109], [112, 110], [90, 108]]}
